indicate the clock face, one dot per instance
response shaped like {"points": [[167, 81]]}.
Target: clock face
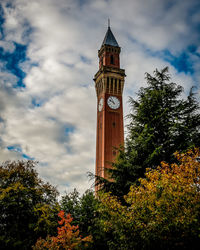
{"points": [[113, 102], [100, 106]]}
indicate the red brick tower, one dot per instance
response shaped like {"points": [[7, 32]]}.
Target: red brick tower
{"points": [[109, 83]]}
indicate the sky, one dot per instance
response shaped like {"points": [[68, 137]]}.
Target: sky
{"points": [[48, 59]]}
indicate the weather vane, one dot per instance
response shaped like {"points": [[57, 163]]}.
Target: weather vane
{"points": [[108, 22]]}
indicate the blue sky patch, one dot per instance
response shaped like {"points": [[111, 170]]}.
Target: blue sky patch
{"points": [[182, 63], [12, 61], [27, 157], [192, 48], [14, 148], [69, 129], [37, 102], [17, 148], [1, 20]]}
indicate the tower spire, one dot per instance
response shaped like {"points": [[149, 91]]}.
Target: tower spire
{"points": [[109, 38]]}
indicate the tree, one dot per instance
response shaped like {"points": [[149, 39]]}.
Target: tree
{"points": [[84, 210], [163, 211], [161, 122], [68, 237], [70, 204], [28, 206]]}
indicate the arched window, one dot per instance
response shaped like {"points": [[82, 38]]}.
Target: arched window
{"points": [[107, 84], [115, 84], [119, 85], [111, 85], [112, 59]]}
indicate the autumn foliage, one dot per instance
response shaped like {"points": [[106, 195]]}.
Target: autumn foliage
{"points": [[68, 236], [163, 212]]}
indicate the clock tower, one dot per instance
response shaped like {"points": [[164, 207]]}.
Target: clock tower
{"points": [[109, 84]]}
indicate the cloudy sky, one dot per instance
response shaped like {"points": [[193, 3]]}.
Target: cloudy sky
{"points": [[48, 57]]}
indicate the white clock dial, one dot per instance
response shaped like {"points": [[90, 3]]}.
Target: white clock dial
{"points": [[113, 102], [100, 106]]}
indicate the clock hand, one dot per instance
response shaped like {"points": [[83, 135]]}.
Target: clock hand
{"points": [[112, 100]]}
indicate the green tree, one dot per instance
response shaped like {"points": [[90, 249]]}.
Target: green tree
{"points": [[85, 212], [70, 203], [28, 206], [161, 122]]}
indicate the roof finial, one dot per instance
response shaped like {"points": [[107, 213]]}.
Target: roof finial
{"points": [[108, 22]]}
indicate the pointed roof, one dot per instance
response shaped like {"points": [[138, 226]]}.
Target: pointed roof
{"points": [[109, 39]]}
